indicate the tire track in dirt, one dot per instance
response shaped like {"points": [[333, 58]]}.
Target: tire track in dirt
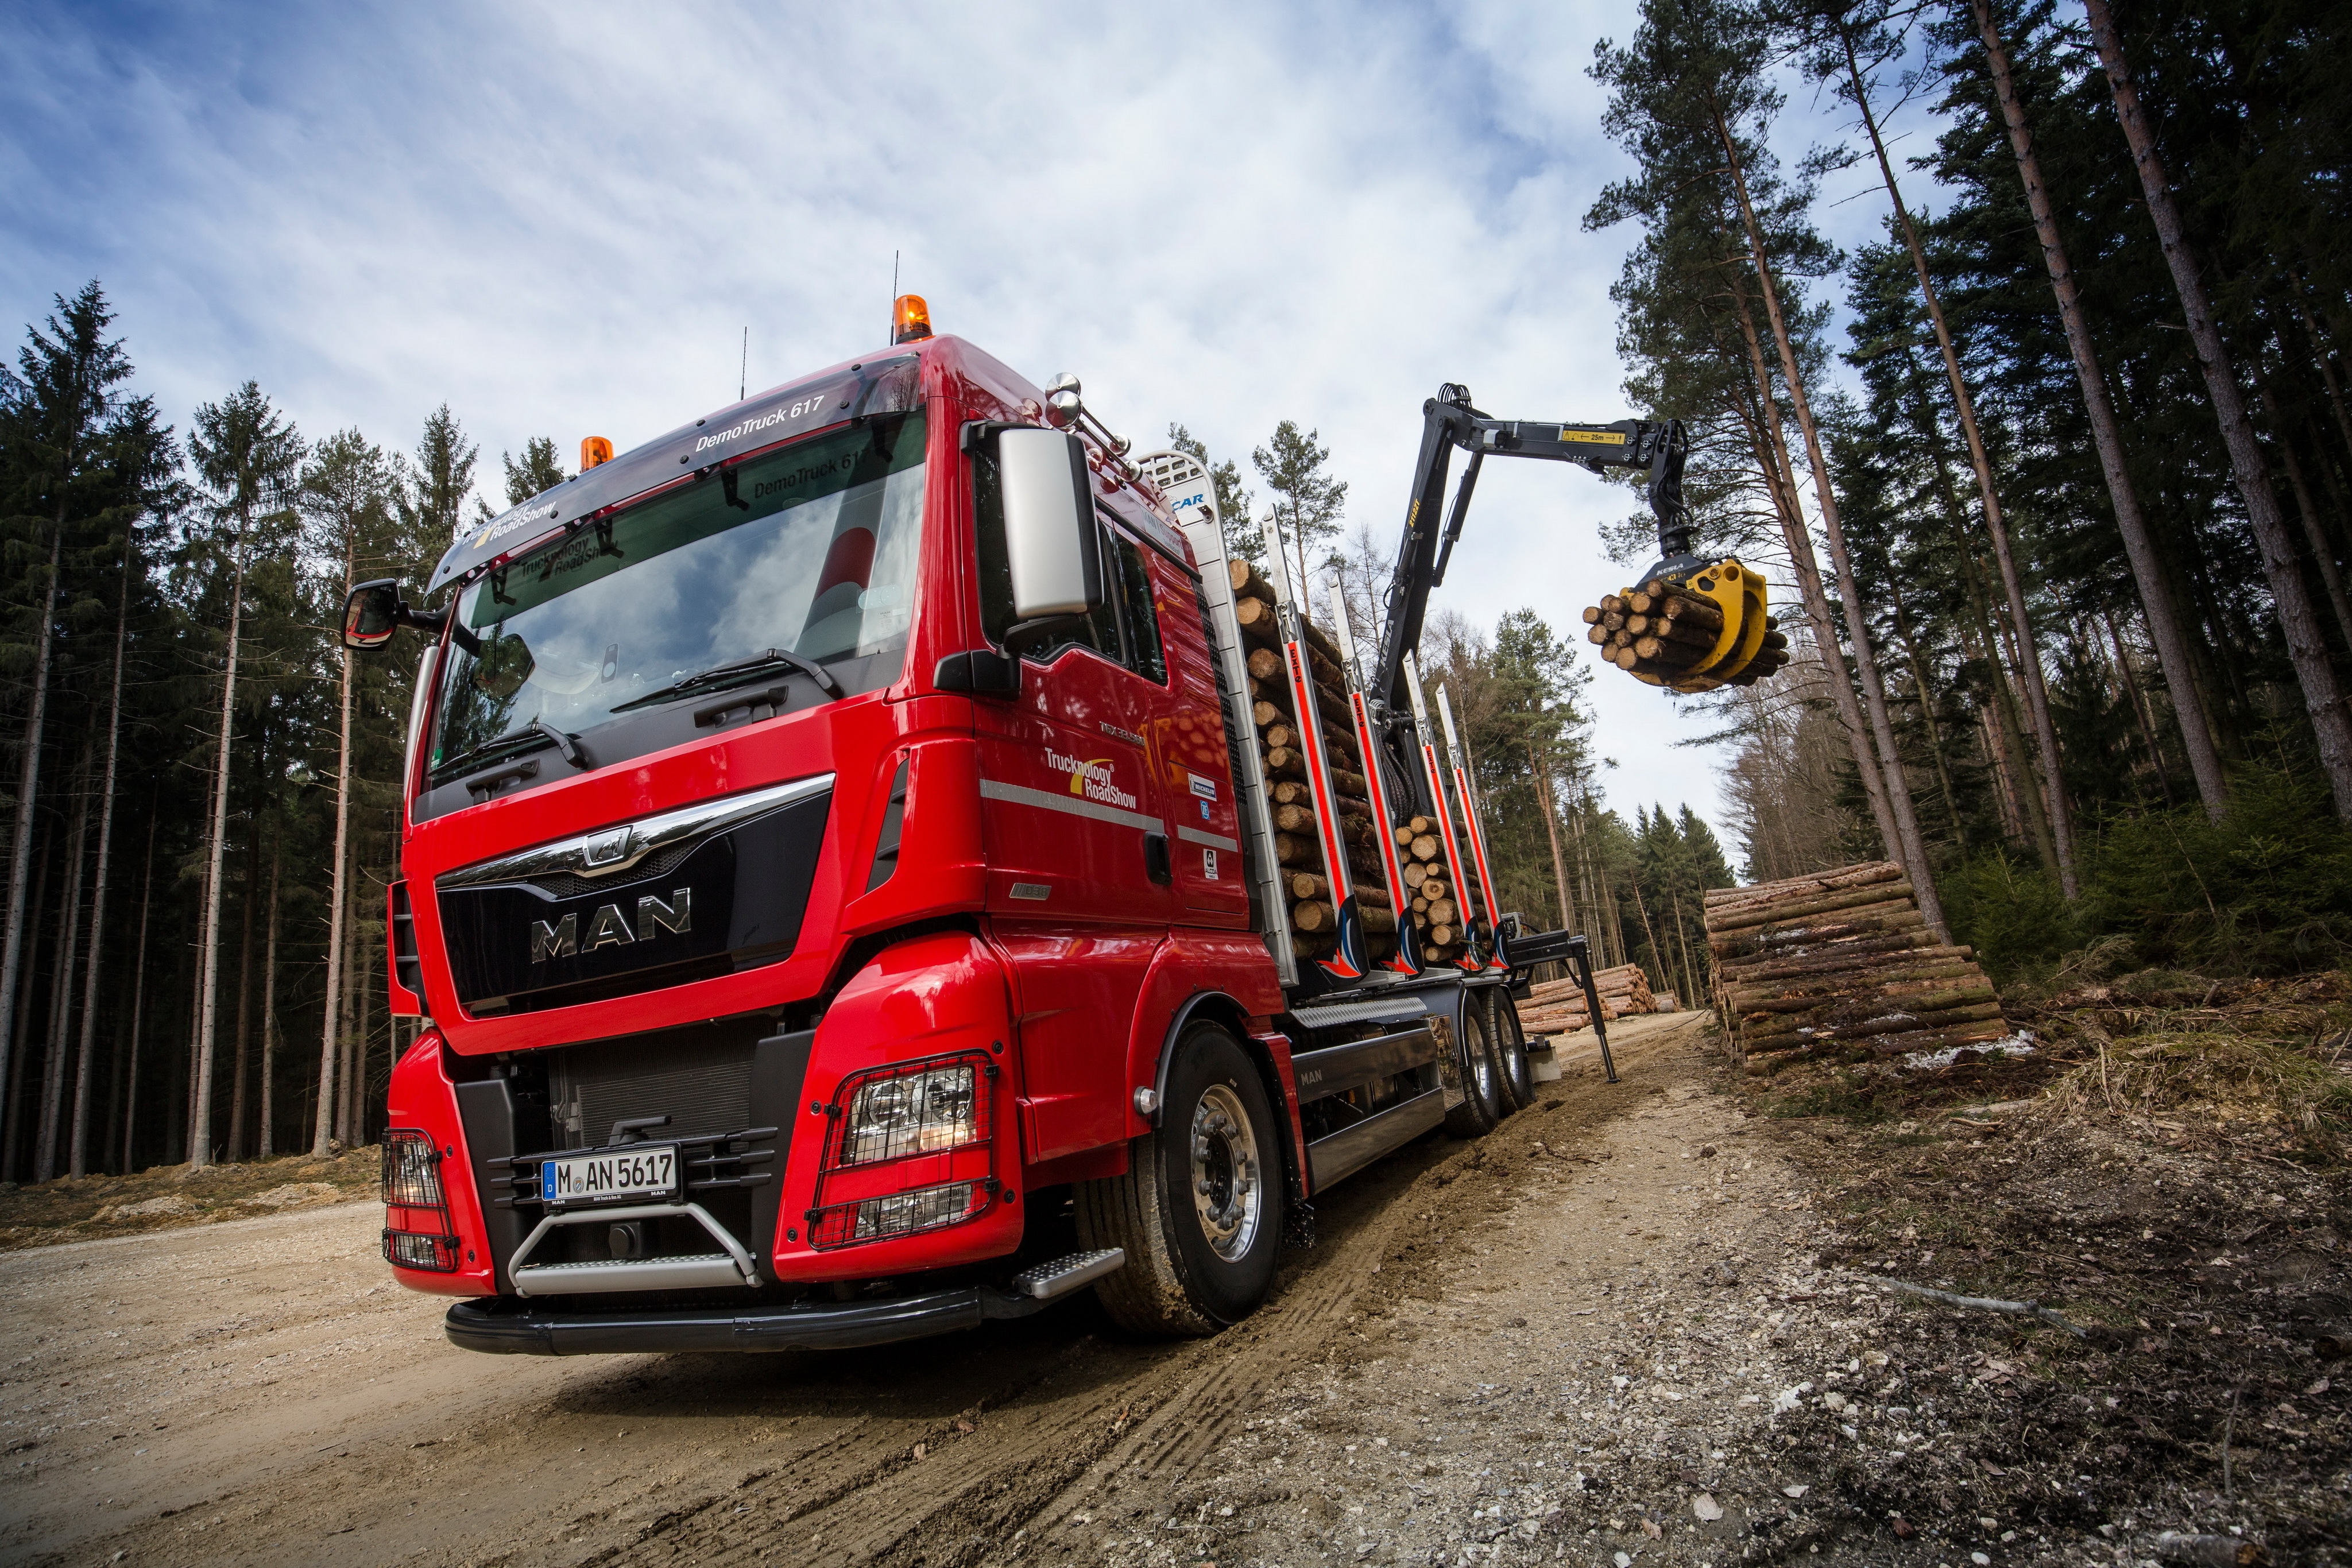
{"points": [[447, 1458]]}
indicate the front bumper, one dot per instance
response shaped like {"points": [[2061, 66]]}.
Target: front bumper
{"points": [[507, 1327]]}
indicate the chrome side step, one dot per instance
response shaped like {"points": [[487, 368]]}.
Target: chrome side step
{"points": [[1063, 1275]]}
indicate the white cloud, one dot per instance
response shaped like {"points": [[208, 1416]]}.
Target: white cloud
{"points": [[562, 221]]}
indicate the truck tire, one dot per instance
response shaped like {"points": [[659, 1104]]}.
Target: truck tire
{"points": [[1516, 1078], [1200, 1211], [1481, 1102]]}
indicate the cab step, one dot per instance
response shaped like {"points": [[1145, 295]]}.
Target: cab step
{"points": [[1063, 1275]]}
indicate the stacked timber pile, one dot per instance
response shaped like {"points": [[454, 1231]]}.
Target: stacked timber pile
{"points": [[1558, 1007], [1438, 907], [1626, 987], [1306, 882], [1842, 957], [1659, 632], [1668, 1002]]}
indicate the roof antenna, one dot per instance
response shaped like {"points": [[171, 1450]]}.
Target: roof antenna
{"points": [[893, 291], [743, 373]]}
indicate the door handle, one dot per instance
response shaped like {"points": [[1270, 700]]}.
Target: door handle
{"points": [[1155, 858]]}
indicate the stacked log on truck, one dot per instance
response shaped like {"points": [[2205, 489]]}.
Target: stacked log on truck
{"points": [[1306, 883], [1439, 908], [1662, 630], [1842, 959], [1558, 1007]]}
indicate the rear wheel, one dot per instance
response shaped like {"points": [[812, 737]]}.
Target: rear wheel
{"points": [[1482, 1101], [1199, 1209], [1518, 1079]]}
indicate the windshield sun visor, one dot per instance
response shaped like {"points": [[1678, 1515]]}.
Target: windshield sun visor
{"points": [[891, 385]]}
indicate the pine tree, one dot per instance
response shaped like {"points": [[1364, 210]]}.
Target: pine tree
{"points": [[535, 474], [249, 457], [80, 458], [1308, 502]]}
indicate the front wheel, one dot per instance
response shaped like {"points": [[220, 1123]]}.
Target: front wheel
{"points": [[1199, 1209]]}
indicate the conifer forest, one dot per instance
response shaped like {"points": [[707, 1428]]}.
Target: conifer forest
{"points": [[2052, 479]]}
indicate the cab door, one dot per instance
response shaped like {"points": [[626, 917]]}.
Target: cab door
{"points": [[1079, 883]]}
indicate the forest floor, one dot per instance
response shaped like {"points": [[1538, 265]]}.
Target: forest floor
{"points": [[1643, 1322], [161, 1197]]}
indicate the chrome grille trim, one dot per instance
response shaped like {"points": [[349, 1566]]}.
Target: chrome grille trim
{"points": [[609, 850]]}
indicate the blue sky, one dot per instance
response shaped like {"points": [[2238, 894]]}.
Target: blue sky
{"points": [[561, 220]]}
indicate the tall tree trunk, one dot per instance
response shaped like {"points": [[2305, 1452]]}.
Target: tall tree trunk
{"points": [[13, 1125], [61, 983], [1657, 954], [2323, 552], [200, 1141], [2319, 356], [1906, 841], [269, 1017], [250, 898], [78, 1161], [2172, 651], [1551, 833], [2037, 692], [360, 1021], [2140, 708], [331, 1039], [1772, 452], [2305, 646], [1927, 719], [138, 1000], [28, 785], [2007, 737]]}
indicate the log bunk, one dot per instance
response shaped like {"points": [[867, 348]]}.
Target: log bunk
{"points": [[1558, 1007], [1842, 958], [1306, 882], [1661, 631]]}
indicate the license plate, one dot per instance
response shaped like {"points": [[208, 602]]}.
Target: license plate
{"points": [[647, 1171]]}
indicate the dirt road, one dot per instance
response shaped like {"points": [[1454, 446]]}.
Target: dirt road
{"points": [[1611, 1332]]}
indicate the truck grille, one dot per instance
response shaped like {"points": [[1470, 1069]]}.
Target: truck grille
{"points": [[728, 901]]}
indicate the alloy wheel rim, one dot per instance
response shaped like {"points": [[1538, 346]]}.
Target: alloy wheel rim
{"points": [[1228, 1186]]}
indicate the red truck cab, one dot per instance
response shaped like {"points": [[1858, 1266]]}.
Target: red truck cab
{"points": [[820, 946]]}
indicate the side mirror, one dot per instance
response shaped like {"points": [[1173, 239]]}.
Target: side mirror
{"points": [[1051, 542], [371, 613]]}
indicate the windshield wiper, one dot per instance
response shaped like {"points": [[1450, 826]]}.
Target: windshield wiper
{"points": [[536, 735], [765, 661]]}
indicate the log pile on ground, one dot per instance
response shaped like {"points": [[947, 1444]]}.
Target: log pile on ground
{"points": [[1558, 1007], [1661, 632], [1306, 882], [1668, 1002], [1842, 958]]}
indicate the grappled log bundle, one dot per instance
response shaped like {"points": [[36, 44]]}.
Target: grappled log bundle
{"points": [[1843, 955], [1678, 632]]}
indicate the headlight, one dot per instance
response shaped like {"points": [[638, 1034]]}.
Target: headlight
{"points": [[919, 1109]]}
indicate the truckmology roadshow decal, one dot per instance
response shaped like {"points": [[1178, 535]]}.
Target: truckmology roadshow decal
{"points": [[1091, 779]]}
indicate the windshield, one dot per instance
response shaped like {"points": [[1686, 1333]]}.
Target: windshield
{"points": [[809, 550]]}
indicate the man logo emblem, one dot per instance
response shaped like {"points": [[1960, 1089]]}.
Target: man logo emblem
{"points": [[609, 927]]}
